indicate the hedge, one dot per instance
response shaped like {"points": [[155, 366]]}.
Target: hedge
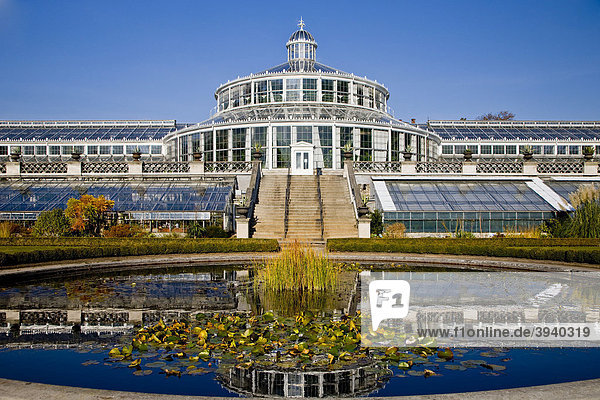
{"points": [[134, 247], [569, 250]]}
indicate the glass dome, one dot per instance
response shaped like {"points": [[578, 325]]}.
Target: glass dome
{"points": [[302, 50]]}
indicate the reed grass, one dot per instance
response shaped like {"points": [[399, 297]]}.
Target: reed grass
{"points": [[532, 232], [298, 268]]}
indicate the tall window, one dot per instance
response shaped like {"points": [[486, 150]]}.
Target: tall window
{"points": [[208, 146], [328, 90], [246, 93], [310, 89], [282, 140], [396, 140], [366, 144], [342, 92], [222, 144], [238, 136], [224, 100], [292, 87], [259, 137], [276, 89], [346, 136], [260, 92], [326, 143]]}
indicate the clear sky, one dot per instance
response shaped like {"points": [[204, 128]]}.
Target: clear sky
{"points": [[118, 59]]}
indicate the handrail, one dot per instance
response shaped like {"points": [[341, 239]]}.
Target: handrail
{"points": [[320, 206], [287, 203], [254, 186], [352, 186]]}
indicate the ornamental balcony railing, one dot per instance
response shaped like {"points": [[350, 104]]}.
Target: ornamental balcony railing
{"points": [[484, 167], [228, 166], [111, 168]]}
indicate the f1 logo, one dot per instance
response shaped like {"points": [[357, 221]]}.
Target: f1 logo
{"points": [[389, 299]]}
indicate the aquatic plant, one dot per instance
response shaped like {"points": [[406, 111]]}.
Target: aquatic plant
{"points": [[298, 268], [307, 342]]}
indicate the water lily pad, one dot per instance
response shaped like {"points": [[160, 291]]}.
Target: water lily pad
{"points": [[156, 364], [415, 373], [142, 372], [455, 367], [488, 354], [197, 371], [494, 367], [90, 362]]}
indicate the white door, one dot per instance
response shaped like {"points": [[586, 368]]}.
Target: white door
{"points": [[302, 164], [302, 158]]}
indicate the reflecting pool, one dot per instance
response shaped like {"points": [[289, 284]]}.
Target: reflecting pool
{"points": [[61, 331]]}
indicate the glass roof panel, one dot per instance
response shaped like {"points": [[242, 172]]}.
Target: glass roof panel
{"points": [[465, 196], [130, 196]]}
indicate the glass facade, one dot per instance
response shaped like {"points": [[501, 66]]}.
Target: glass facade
{"points": [[475, 222]]}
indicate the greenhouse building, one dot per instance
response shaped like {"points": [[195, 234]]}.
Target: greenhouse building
{"points": [[302, 150]]}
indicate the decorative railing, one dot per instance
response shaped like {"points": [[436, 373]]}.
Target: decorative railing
{"points": [[428, 167], [499, 167], [377, 166], [165, 167], [560, 167], [104, 317], [44, 168], [286, 213], [104, 167], [42, 317], [228, 166], [319, 194]]}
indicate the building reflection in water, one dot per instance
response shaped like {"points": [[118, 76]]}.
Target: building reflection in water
{"points": [[348, 382]]}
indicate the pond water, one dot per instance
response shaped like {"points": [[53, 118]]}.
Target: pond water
{"points": [[60, 332]]}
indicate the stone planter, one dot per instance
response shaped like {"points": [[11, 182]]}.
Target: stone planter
{"points": [[346, 155], [76, 156], [15, 156], [242, 210], [136, 155], [257, 155], [588, 156], [362, 211], [527, 156], [407, 156], [197, 156], [468, 155]]}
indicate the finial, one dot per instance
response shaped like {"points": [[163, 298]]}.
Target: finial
{"points": [[301, 24]]}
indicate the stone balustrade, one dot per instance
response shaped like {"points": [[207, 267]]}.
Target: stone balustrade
{"points": [[87, 168], [483, 167]]}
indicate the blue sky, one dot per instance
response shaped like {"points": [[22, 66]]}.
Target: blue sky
{"points": [[164, 59]]}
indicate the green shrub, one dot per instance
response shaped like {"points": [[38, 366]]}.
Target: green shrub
{"points": [[569, 250], [376, 223], [52, 223], [77, 248], [196, 230], [214, 231]]}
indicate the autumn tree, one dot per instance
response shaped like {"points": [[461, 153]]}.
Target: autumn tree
{"points": [[88, 214], [501, 116]]}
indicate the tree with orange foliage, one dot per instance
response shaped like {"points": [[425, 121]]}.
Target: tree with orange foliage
{"points": [[88, 214]]}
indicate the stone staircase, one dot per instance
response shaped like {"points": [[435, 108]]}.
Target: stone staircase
{"points": [[304, 218], [269, 212], [338, 213]]}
